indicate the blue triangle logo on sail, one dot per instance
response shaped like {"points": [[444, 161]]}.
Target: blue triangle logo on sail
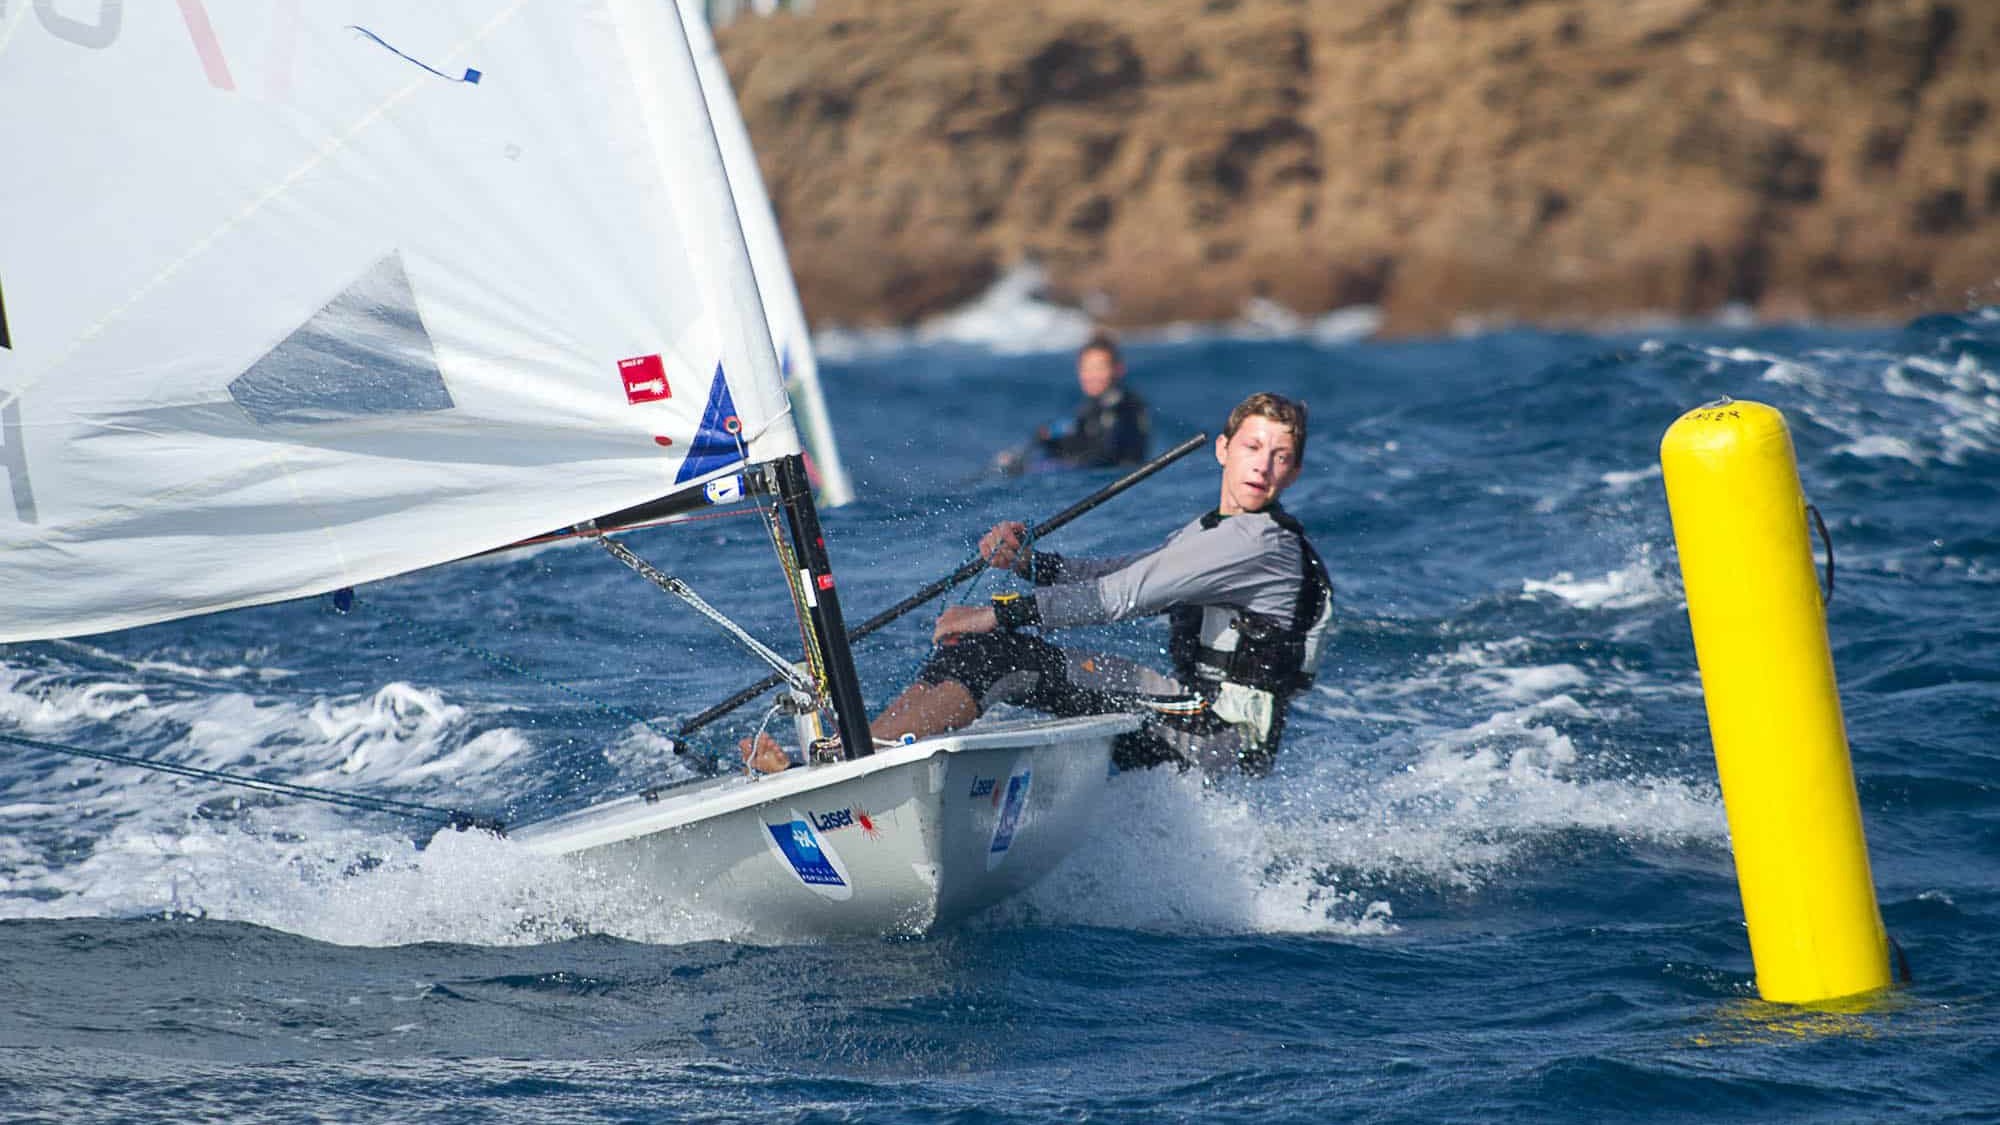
{"points": [[718, 441], [365, 353]]}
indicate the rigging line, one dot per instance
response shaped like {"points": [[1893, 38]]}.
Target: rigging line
{"points": [[965, 571], [668, 521], [1027, 552], [684, 592], [761, 727], [794, 583], [455, 818]]}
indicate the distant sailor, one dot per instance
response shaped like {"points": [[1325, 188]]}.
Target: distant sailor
{"points": [[1247, 598], [1111, 426]]}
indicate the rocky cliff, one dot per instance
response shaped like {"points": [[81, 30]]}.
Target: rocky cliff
{"points": [[1555, 161]]}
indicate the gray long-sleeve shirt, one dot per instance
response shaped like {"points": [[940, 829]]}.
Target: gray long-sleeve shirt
{"points": [[1245, 562]]}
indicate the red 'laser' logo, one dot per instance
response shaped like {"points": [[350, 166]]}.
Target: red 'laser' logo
{"points": [[645, 379]]}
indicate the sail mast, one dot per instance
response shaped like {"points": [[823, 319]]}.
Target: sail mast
{"points": [[823, 605]]}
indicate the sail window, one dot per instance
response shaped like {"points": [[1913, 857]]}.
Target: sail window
{"points": [[364, 353], [97, 35]]}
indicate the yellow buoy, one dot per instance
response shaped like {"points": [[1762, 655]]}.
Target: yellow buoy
{"points": [[1773, 706]]}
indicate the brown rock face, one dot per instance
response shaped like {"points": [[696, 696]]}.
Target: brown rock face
{"points": [[1555, 161]]}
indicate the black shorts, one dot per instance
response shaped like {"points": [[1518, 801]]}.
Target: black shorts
{"points": [[1025, 670], [1018, 668]]}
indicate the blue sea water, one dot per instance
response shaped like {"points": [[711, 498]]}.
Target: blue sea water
{"points": [[1489, 880]]}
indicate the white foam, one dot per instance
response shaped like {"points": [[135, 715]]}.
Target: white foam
{"points": [[1327, 847], [1881, 446], [1266, 319], [1636, 584], [1326, 853], [172, 668], [382, 735], [29, 810], [321, 879], [1263, 317], [647, 752], [1789, 373], [1474, 796], [1013, 317], [396, 736], [846, 345], [1525, 684], [1330, 845], [1967, 394], [1347, 325], [1618, 480], [1172, 854], [50, 710], [159, 843], [1016, 316]]}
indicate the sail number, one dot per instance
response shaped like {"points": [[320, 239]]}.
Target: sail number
{"points": [[103, 31], [96, 34]]}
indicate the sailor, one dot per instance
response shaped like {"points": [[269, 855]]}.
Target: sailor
{"points": [[1247, 598], [1111, 426]]}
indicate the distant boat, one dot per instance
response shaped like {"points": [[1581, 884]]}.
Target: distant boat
{"points": [[791, 336], [304, 296]]}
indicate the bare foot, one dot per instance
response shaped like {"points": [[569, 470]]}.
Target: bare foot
{"points": [[766, 757]]}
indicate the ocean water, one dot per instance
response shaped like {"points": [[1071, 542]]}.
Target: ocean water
{"points": [[1489, 880]]}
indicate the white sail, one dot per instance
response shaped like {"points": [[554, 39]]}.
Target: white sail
{"points": [[791, 336], [302, 295]]}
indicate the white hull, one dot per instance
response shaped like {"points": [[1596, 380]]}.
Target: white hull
{"points": [[900, 842]]}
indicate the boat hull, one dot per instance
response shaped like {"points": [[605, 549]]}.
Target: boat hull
{"points": [[898, 843]]}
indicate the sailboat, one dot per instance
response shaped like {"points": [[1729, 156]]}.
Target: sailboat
{"points": [[784, 313], [296, 297]]}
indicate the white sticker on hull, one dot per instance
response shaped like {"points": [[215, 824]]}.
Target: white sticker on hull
{"points": [[808, 855]]}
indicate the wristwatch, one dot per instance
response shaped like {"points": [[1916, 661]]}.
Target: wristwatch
{"points": [[1012, 610]]}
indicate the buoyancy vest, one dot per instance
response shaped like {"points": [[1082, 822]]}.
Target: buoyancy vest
{"points": [[1248, 665]]}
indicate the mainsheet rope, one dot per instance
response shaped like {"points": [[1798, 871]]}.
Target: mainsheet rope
{"points": [[415, 810], [684, 592], [1027, 551]]}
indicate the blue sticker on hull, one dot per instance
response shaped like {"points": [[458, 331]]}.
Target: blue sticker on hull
{"points": [[800, 847]]}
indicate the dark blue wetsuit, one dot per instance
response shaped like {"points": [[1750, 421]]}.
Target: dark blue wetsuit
{"points": [[1250, 602], [1110, 429]]}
